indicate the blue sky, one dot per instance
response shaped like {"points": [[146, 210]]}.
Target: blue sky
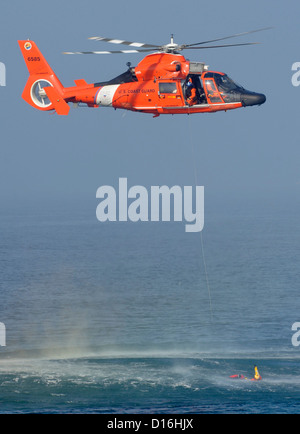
{"points": [[244, 156]]}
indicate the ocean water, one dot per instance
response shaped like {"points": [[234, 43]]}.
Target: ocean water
{"points": [[123, 318]]}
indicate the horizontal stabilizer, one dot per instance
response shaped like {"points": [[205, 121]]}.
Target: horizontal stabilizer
{"points": [[80, 83]]}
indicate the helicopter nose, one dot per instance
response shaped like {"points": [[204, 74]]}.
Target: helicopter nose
{"points": [[251, 98]]}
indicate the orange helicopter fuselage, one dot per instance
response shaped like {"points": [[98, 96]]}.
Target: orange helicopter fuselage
{"points": [[158, 89]]}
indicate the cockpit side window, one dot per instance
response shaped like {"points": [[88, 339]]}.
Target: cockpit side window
{"points": [[210, 86]]}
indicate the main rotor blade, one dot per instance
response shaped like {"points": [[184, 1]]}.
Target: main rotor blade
{"points": [[119, 41], [228, 37], [221, 46], [110, 52]]}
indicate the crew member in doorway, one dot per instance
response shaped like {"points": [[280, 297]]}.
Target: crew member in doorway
{"points": [[191, 93]]}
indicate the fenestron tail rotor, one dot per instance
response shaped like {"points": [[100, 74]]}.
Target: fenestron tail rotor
{"points": [[38, 93], [138, 47]]}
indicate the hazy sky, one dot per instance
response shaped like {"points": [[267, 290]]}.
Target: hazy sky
{"points": [[238, 156]]}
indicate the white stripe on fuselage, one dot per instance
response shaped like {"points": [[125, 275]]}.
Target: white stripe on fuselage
{"points": [[106, 95]]}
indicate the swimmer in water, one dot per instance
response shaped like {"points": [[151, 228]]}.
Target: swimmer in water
{"points": [[257, 376]]}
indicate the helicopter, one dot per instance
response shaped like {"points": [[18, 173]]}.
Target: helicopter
{"points": [[164, 82]]}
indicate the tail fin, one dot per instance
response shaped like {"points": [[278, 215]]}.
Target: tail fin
{"points": [[42, 77]]}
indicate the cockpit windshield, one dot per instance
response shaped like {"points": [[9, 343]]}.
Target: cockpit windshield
{"points": [[224, 83]]}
